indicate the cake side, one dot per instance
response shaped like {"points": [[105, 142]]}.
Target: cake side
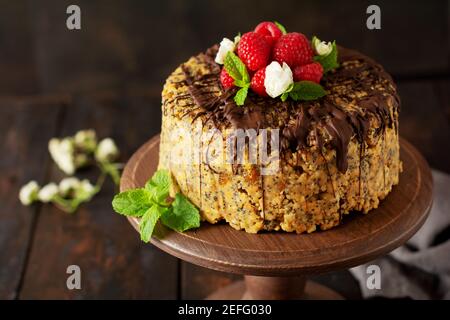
{"points": [[337, 154]]}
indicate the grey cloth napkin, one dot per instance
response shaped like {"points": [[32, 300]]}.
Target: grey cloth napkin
{"points": [[421, 268]]}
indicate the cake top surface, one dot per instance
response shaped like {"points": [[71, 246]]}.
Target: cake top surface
{"points": [[359, 92], [359, 101]]}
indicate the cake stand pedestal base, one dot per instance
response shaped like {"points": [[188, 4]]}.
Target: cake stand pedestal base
{"points": [[274, 288]]}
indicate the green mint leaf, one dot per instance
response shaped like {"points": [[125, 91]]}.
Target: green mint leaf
{"points": [[148, 222], [330, 61], [161, 178], [158, 186], [241, 95], [281, 27], [182, 215], [307, 90], [236, 68], [240, 83], [132, 202]]}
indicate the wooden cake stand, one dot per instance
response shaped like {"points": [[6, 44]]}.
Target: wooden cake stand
{"points": [[275, 263]]}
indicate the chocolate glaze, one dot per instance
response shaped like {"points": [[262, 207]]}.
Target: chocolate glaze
{"points": [[310, 118]]}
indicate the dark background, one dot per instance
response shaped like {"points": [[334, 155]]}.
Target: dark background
{"points": [[108, 76]]}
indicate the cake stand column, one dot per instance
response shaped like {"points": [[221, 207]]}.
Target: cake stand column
{"points": [[275, 288]]}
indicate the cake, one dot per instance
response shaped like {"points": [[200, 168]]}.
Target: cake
{"points": [[336, 154]]}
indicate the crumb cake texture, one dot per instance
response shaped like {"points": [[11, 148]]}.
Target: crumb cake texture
{"points": [[337, 154]]}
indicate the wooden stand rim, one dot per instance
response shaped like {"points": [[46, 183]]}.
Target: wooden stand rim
{"points": [[359, 239]]}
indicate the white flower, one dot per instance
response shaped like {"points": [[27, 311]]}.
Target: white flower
{"points": [[106, 150], [86, 140], [278, 79], [66, 185], [48, 192], [322, 48], [28, 193], [86, 186], [226, 45], [85, 190], [62, 152]]}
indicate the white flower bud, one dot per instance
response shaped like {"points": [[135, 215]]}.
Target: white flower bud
{"points": [[106, 150], [28, 193], [53, 147], [226, 45], [66, 185], [87, 187], [278, 79], [62, 152], [85, 190], [86, 140], [48, 192], [236, 40], [322, 48]]}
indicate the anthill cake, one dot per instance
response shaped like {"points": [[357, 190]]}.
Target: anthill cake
{"points": [[333, 111]]}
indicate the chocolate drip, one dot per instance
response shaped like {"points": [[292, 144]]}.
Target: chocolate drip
{"points": [[297, 133], [203, 99], [244, 118], [341, 132]]}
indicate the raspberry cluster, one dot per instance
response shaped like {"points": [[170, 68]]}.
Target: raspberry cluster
{"points": [[267, 43]]}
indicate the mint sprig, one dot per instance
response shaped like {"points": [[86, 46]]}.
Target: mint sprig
{"points": [[330, 61], [304, 90], [281, 27], [238, 71], [152, 203]]}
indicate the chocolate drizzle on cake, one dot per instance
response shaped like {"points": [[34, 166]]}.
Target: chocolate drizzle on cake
{"points": [[324, 121]]}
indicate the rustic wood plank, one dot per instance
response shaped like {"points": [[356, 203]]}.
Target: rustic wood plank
{"points": [[25, 131], [396, 47], [17, 64], [423, 122], [442, 88], [114, 49], [114, 262]]}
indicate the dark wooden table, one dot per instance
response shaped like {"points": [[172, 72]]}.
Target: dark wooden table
{"points": [[108, 77]]}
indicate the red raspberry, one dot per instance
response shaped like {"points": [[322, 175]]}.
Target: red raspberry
{"points": [[226, 80], [311, 72], [257, 83], [269, 30], [253, 50], [294, 49]]}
